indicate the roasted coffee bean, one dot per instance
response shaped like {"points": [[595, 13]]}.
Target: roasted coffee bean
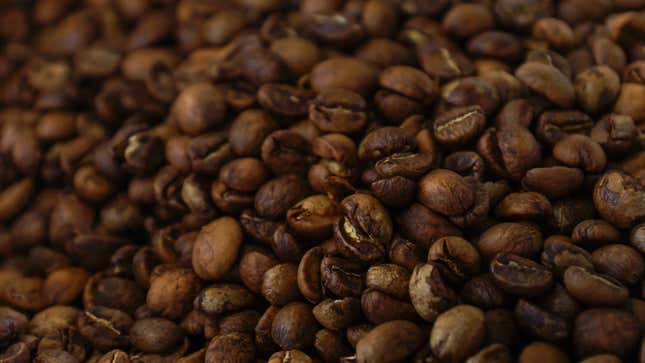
{"points": [[341, 277], [594, 288], [522, 239], [559, 255], [294, 326], [597, 331], [230, 346], [374, 346], [541, 323], [365, 228], [554, 182], [222, 298], [105, 328], [509, 151], [520, 276], [621, 262], [457, 333], [216, 248], [459, 126], [482, 291], [155, 335], [455, 257], [547, 81], [429, 294], [537, 351], [619, 198], [423, 227]]}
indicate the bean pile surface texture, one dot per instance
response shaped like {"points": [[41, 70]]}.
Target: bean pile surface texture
{"points": [[322, 181]]}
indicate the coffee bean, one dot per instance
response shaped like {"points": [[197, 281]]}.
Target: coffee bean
{"points": [[520, 276], [610, 331], [593, 288], [457, 333], [374, 345], [294, 326], [429, 294], [223, 235]]}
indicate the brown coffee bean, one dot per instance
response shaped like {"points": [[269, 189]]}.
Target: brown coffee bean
{"points": [[12, 324], [223, 235], [236, 347], [338, 110], [553, 126], [221, 298], [471, 91], [279, 284], [621, 262], [554, 31], [429, 294], [276, 196], [284, 100], [113, 292], [294, 326], [509, 151], [537, 351], [554, 182], [337, 314], [596, 88], [520, 276], [313, 217], [349, 73], [580, 151], [559, 255], [14, 198], [172, 291], [341, 277], [637, 237], [365, 229], [567, 213], [466, 20], [560, 302], [457, 333], [423, 226], [405, 91], [105, 328], [64, 285], [494, 353], [547, 81], [443, 61], [52, 319], [379, 307], [388, 278], [522, 239], [24, 293], [248, 130], [619, 198], [309, 276], [597, 331], [615, 133], [199, 108], [455, 257], [244, 174], [155, 335], [593, 288], [624, 104], [482, 291], [446, 192], [459, 126], [16, 353], [524, 206], [541, 323], [495, 44], [377, 344], [208, 152]]}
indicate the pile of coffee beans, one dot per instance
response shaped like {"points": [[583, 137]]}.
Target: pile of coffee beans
{"points": [[300, 181]]}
